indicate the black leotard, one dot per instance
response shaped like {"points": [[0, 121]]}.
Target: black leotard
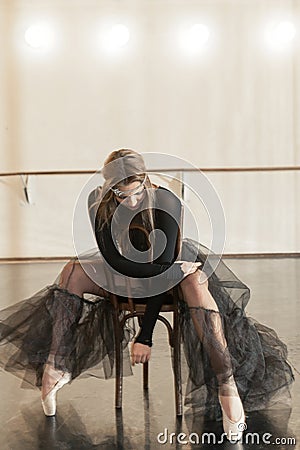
{"points": [[163, 200]]}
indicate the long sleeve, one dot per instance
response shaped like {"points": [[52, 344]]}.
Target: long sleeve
{"points": [[153, 308], [163, 221], [124, 265]]}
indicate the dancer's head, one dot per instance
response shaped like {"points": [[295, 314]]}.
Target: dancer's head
{"points": [[122, 167], [126, 182], [125, 175]]}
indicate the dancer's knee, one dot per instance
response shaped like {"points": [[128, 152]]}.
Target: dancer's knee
{"points": [[195, 280], [70, 275], [74, 278]]}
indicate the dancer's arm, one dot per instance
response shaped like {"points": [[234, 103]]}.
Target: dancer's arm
{"points": [[163, 221], [169, 225]]}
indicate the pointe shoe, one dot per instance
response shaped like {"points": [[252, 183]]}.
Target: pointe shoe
{"points": [[234, 429], [49, 402]]}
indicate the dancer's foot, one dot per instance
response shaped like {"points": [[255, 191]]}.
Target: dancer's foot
{"points": [[232, 407], [53, 380], [233, 413]]}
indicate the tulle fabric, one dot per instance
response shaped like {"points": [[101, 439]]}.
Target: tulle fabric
{"points": [[218, 347], [77, 333], [254, 355]]}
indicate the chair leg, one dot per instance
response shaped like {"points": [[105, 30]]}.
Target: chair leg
{"points": [[145, 374], [177, 364], [119, 361]]}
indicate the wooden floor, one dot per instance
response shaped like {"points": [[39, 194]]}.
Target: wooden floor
{"points": [[86, 417]]}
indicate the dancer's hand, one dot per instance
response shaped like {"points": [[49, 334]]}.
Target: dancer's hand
{"points": [[189, 267], [140, 353]]}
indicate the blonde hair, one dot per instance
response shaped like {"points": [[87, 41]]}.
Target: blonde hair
{"points": [[106, 206]]}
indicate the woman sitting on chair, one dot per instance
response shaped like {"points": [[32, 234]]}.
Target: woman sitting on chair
{"points": [[226, 352]]}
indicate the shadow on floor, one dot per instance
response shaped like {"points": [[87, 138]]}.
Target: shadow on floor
{"points": [[31, 430]]}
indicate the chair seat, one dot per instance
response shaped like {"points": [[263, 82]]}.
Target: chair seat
{"points": [[168, 300], [140, 304], [140, 308]]}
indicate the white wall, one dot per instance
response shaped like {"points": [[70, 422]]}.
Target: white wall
{"points": [[235, 104]]}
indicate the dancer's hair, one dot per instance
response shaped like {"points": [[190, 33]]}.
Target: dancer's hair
{"points": [[131, 169]]}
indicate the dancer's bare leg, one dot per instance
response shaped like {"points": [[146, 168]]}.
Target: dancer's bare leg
{"points": [[76, 281], [208, 325]]}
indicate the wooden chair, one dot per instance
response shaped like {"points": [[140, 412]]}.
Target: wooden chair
{"points": [[137, 310], [125, 309]]}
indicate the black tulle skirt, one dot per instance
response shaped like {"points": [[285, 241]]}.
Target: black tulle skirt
{"points": [[81, 331]]}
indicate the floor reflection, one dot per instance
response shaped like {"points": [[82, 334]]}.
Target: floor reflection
{"points": [[86, 416], [263, 428]]}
